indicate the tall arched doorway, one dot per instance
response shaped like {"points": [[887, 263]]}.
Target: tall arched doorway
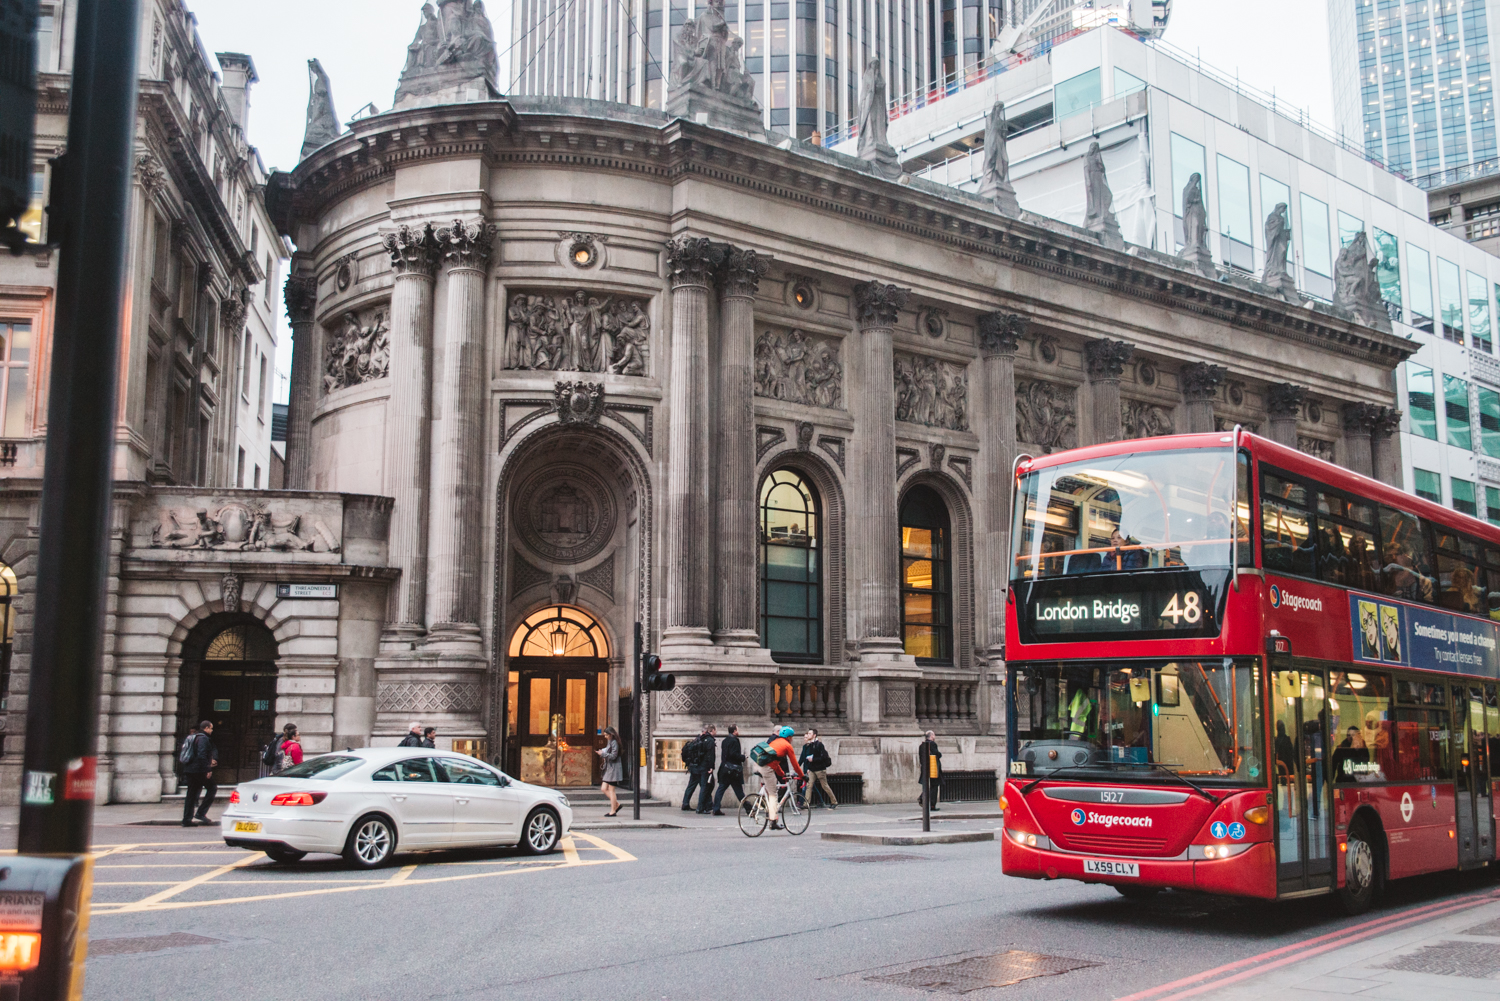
{"points": [[557, 697], [229, 678]]}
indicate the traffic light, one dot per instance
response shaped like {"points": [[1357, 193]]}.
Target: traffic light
{"points": [[655, 680]]}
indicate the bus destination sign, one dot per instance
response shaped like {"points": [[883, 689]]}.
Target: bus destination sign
{"points": [[1123, 612]]}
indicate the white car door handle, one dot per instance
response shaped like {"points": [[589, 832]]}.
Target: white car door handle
{"points": [[399, 799], [461, 802]]}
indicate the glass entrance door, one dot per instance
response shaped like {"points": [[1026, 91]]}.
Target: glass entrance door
{"points": [[557, 716], [1475, 823], [1303, 816], [241, 705]]}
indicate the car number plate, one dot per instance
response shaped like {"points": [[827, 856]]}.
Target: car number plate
{"points": [[246, 827], [1109, 867]]}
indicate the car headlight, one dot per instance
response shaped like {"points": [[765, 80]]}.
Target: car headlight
{"points": [[562, 799]]}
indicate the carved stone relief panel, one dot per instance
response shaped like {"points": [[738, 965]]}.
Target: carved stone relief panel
{"points": [[931, 392], [242, 527], [357, 349], [798, 367], [580, 332], [1316, 447], [1141, 419], [565, 513], [1046, 415]]}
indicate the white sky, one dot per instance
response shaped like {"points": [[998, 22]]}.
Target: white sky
{"points": [[1274, 45]]}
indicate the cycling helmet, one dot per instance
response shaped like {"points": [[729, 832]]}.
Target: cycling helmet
{"points": [[786, 732]]}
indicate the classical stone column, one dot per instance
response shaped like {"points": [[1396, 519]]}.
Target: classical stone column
{"points": [[454, 538], [874, 531], [301, 302], [1359, 424], [1386, 446], [1106, 363], [691, 262], [734, 425], [1200, 384], [232, 314], [408, 426], [1283, 406], [1000, 335]]}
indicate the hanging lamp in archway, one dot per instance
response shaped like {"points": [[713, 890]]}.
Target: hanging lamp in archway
{"points": [[560, 631]]}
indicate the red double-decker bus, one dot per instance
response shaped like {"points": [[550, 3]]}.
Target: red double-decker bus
{"points": [[1239, 669]]}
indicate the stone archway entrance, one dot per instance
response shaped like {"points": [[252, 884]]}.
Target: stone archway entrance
{"points": [[229, 678], [557, 696]]}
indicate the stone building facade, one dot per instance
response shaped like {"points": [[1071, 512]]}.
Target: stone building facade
{"points": [[748, 394]]}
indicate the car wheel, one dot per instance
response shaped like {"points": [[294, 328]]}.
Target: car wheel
{"points": [[1362, 870], [285, 855], [541, 833], [371, 843]]}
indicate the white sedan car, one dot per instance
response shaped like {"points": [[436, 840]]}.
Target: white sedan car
{"points": [[364, 804]]}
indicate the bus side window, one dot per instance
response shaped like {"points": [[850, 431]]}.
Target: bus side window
{"points": [[1286, 543], [1405, 569]]}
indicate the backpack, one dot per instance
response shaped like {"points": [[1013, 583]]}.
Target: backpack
{"points": [[188, 751], [820, 762], [270, 755], [692, 752], [762, 754]]}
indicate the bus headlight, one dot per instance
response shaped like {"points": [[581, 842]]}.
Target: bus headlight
{"points": [[1203, 853], [1028, 840]]}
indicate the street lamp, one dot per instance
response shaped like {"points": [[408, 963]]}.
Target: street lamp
{"points": [[7, 630], [559, 637]]}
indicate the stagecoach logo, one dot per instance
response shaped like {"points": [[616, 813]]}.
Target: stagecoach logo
{"points": [[1406, 807], [1294, 601], [1109, 819]]}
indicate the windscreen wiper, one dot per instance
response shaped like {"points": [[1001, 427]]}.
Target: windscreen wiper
{"points": [[1186, 781], [1026, 790]]}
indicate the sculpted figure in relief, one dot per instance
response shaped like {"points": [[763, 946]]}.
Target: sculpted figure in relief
{"points": [[798, 367], [240, 528], [577, 333], [357, 352], [931, 392], [1045, 416]]}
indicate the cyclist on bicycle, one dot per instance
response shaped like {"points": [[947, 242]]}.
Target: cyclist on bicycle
{"points": [[772, 774]]}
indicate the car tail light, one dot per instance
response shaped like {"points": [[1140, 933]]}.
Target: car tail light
{"points": [[298, 798], [234, 797], [1258, 814]]}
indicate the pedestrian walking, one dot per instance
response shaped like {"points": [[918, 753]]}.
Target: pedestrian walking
{"points": [[698, 754], [413, 737], [291, 747], [731, 770], [614, 770], [198, 757], [429, 737], [926, 750], [815, 761]]}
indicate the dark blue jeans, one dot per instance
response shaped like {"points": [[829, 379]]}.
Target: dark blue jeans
{"points": [[737, 785], [697, 779]]}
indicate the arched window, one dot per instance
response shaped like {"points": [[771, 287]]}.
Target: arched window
{"points": [[559, 631], [926, 589], [791, 573]]}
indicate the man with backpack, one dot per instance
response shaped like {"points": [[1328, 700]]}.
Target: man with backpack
{"points": [[769, 756], [731, 770], [816, 761], [698, 755], [413, 737], [198, 756]]}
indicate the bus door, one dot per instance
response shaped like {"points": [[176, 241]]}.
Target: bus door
{"points": [[1476, 834], [1304, 831]]}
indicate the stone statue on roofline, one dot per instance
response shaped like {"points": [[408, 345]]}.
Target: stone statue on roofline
{"points": [[1099, 213], [994, 183], [451, 59], [1278, 246], [1195, 229], [1356, 286], [708, 83], [874, 119], [322, 121]]}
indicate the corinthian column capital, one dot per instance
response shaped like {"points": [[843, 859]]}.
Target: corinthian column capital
{"points": [[1001, 333], [301, 295], [413, 250], [879, 304], [692, 260], [466, 245], [741, 271], [1107, 359], [1283, 399]]}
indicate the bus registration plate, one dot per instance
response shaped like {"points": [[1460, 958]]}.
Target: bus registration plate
{"points": [[1109, 867]]}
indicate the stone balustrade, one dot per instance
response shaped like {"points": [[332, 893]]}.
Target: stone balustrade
{"points": [[810, 699], [947, 701]]}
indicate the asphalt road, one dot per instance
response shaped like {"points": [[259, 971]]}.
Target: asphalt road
{"points": [[648, 914]]}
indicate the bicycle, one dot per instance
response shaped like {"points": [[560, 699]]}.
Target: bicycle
{"points": [[755, 814]]}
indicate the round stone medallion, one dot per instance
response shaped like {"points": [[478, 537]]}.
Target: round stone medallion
{"points": [[565, 513]]}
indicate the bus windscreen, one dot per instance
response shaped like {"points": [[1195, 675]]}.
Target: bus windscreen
{"points": [[1196, 718], [1140, 511]]}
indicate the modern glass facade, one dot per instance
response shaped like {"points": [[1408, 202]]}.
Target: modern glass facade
{"points": [[1426, 98]]}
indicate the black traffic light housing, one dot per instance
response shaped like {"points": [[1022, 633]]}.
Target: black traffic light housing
{"points": [[655, 680]]}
